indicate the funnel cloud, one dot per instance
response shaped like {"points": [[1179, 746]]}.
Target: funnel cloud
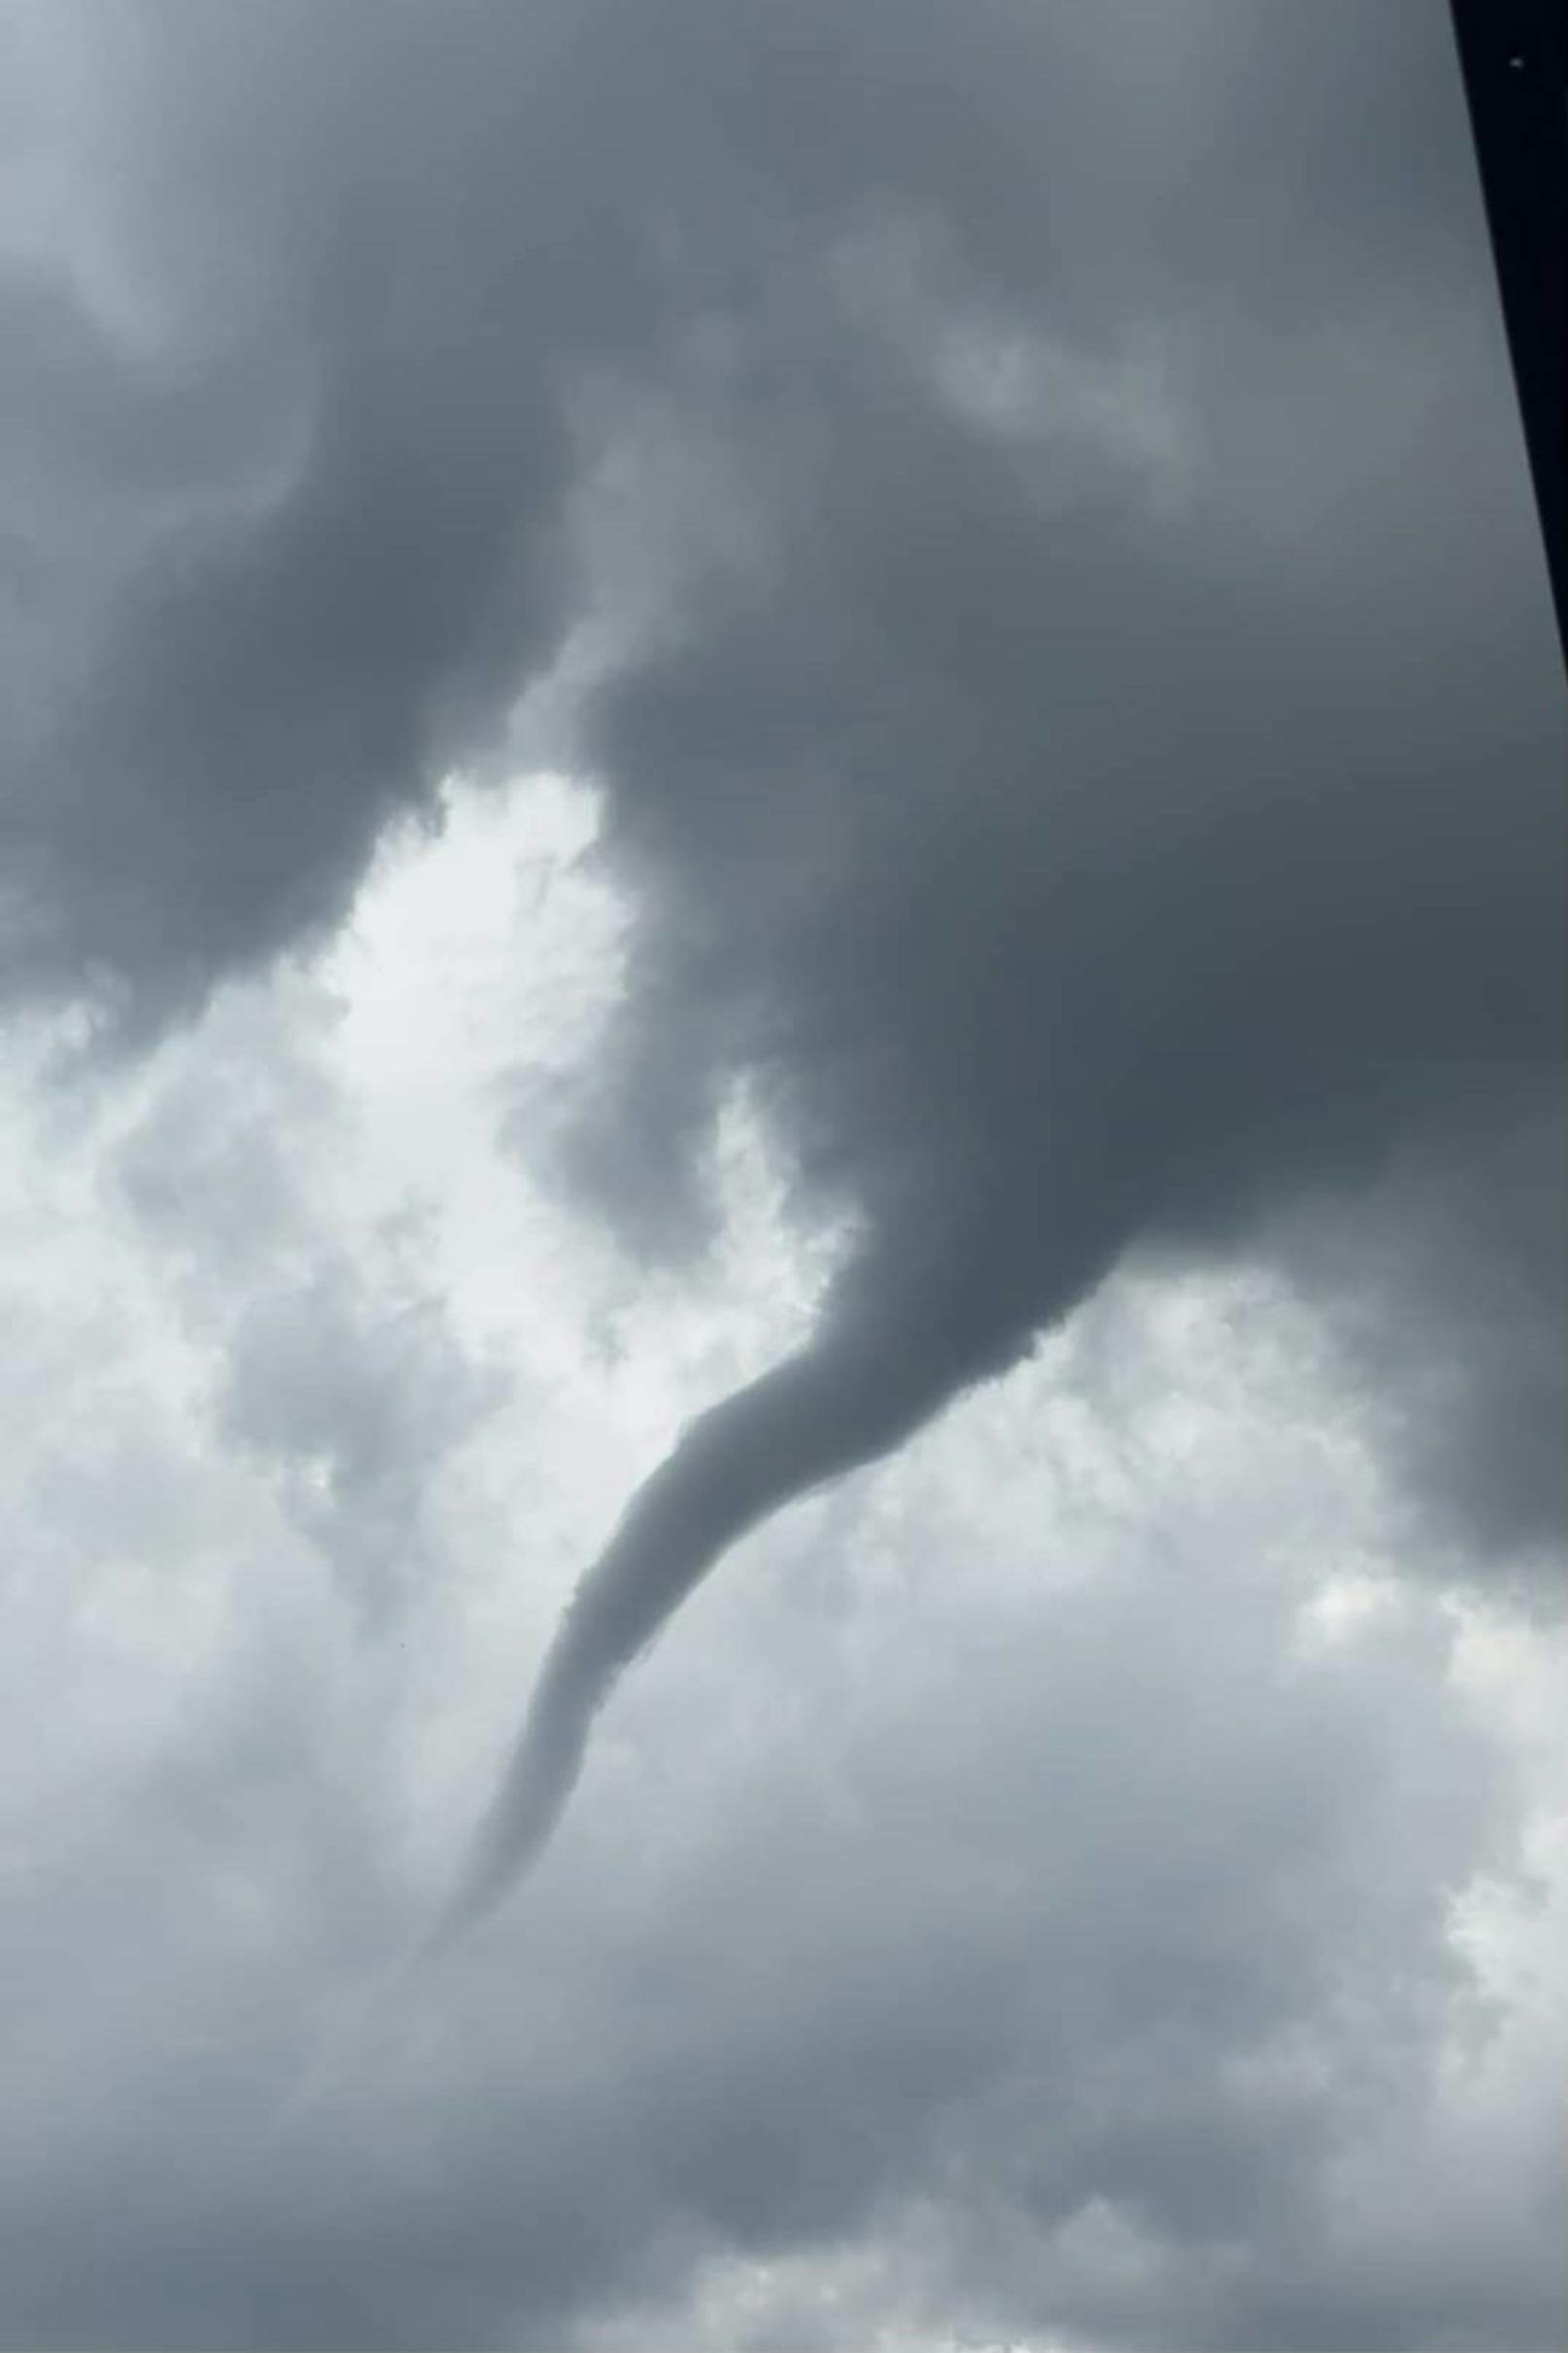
{"points": [[1005, 529], [850, 1397], [1019, 515]]}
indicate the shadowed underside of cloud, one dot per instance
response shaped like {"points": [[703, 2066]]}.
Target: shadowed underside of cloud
{"points": [[1037, 512]]}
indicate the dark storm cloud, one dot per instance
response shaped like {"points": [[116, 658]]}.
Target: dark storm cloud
{"points": [[294, 502], [1072, 856], [1102, 778], [1077, 712], [1449, 1293]]}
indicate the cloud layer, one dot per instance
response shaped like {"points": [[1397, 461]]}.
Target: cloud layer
{"points": [[1019, 520]]}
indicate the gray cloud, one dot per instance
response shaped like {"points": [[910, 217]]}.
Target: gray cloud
{"points": [[1037, 505], [356, 1404], [340, 1371], [1449, 1294], [1102, 779], [1087, 2001], [996, 1888], [341, 252], [1069, 864]]}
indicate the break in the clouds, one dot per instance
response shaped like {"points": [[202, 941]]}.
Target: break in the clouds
{"points": [[1018, 518]]}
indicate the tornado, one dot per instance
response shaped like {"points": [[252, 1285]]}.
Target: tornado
{"points": [[875, 1373]]}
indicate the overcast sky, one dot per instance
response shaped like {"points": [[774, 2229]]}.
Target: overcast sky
{"points": [[810, 751]]}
